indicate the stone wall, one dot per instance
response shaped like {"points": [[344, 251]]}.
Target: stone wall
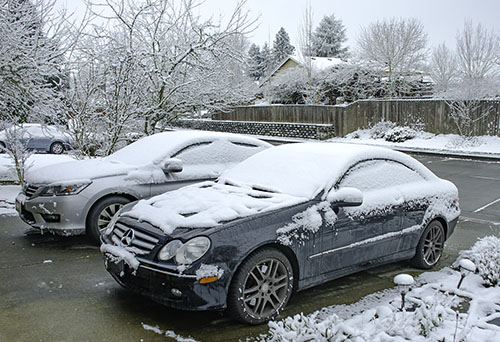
{"points": [[275, 129]]}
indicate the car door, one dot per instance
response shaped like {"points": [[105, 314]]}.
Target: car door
{"points": [[371, 231]]}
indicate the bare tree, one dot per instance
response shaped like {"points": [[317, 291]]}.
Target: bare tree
{"points": [[443, 68], [477, 52], [306, 50], [478, 78], [394, 46]]}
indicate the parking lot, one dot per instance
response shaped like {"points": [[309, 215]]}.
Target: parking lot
{"points": [[56, 289]]}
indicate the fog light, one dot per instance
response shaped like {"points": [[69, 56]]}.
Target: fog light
{"points": [[176, 292], [51, 217]]}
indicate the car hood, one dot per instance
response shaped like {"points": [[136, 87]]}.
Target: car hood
{"points": [[205, 205], [77, 170]]}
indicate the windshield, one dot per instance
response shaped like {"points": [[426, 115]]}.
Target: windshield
{"points": [[146, 150], [296, 172]]}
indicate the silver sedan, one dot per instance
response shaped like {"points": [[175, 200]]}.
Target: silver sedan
{"points": [[82, 196]]}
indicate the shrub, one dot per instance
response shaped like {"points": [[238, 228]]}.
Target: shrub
{"points": [[485, 254], [400, 134]]}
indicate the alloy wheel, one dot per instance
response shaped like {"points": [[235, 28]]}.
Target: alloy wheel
{"points": [[106, 215], [433, 245], [266, 288]]}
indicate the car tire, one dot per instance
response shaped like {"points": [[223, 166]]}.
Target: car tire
{"points": [[56, 148], [430, 247], [2, 147], [101, 214], [261, 287]]}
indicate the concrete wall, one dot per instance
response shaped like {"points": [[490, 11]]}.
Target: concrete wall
{"points": [[433, 115]]}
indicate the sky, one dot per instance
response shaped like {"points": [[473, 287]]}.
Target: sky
{"points": [[442, 19]]}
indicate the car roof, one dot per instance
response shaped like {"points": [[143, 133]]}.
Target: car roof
{"points": [[310, 167]]}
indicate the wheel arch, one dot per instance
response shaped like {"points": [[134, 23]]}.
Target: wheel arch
{"points": [[287, 251], [128, 196]]}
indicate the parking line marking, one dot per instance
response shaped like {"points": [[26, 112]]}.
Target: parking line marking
{"points": [[483, 177], [471, 219], [487, 205]]}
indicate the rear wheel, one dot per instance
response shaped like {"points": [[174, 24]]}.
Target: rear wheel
{"points": [[2, 147], [430, 247], [261, 287], [101, 214], [56, 148]]}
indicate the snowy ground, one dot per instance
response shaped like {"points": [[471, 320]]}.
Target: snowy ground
{"points": [[424, 141], [8, 194]]}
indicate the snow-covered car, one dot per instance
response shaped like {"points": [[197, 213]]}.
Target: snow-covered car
{"points": [[283, 220], [82, 196], [36, 137]]}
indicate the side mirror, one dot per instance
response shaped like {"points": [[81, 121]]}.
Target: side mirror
{"points": [[345, 197], [172, 165]]}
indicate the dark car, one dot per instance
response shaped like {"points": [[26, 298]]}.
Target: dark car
{"points": [[36, 137], [284, 220]]}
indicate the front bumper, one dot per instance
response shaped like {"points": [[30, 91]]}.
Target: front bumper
{"points": [[160, 285], [62, 215]]}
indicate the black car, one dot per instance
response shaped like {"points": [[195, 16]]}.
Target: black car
{"points": [[286, 219]]}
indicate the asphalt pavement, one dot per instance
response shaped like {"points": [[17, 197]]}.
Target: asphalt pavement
{"points": [[56, 288]]}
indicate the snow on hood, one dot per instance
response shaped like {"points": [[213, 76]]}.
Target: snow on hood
{"points": [[206, 205], [304, 170], [77, 169]]}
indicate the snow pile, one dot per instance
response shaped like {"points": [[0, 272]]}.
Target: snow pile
{"points": [[206, 271], [167, 333], [486, 256], [207, 204], [306, 223], [435, 311]]}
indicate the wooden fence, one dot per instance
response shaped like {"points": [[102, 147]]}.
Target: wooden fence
{"points": [[432, 115]]}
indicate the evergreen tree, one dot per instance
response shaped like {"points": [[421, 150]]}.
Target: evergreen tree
{"points": [[254, 62], [267, 60], [328, 38], [281, 47]]}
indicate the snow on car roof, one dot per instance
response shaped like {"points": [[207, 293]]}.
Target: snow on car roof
{"points": [[304, 170], [157, 146]]}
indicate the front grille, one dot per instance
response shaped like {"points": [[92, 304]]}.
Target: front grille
{"points": [[29, 190], [142, 243]]}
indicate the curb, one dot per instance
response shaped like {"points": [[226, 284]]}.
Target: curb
{"points": [[423, 151]]}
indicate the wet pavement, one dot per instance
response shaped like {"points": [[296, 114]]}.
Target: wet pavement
{"points": [[56, 289]]}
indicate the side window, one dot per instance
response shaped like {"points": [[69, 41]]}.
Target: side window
{"points": [[216, 152], [378, 174], [198, 153]]}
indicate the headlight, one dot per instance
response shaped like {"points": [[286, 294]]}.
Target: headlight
{"points": [[186, 253], [63, 189], [169, 250]]}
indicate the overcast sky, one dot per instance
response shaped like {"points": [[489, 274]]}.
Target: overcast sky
{"points": [[441, 18]]}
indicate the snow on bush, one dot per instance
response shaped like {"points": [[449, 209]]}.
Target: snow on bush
{"points": [[400, 134], [436, 310], [485, 254]]}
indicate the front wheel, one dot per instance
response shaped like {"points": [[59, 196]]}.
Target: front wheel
{"points": [[101, 214], [261, 287], [56, 148], [430, 247]]}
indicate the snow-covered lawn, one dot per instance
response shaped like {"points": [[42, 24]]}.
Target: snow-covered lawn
{"points": [[382, 134]]}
